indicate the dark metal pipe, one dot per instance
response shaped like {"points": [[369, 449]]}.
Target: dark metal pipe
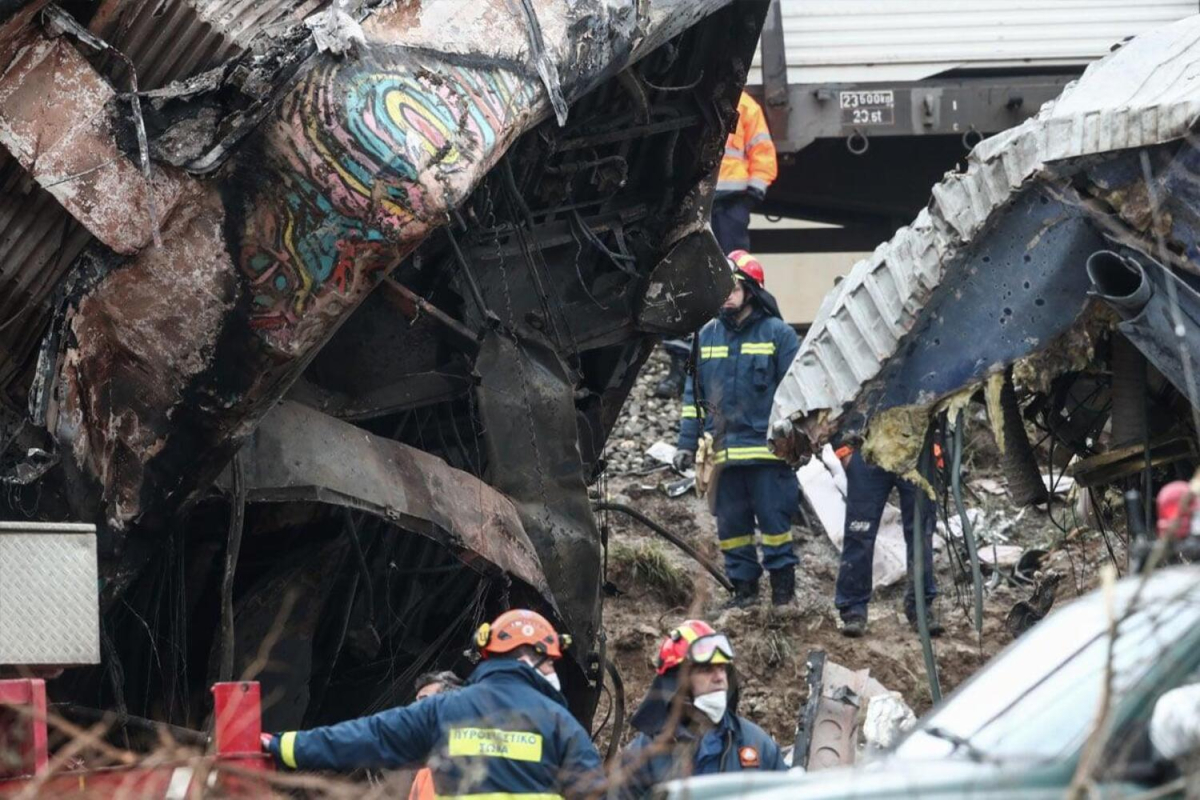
{"points": [[670, 537], [924, 467], [1119, 281], [618, 728], [1020, 464]]}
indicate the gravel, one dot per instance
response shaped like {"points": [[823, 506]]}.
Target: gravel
{"points": [[644, 420]]}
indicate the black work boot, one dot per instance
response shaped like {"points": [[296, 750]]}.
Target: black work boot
{"points": [[932, 618], [783, 586], [745, 594], [671, 386], [854, 624]]}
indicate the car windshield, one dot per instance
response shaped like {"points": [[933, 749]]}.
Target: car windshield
{"points": [[1039, 699]]}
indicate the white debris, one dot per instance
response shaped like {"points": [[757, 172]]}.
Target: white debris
{"points": [[888, 719], [988, 485], [824, 484], [662, 452], [335, 31], [1059, 484]]}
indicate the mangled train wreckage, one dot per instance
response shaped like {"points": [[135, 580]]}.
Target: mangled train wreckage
{"points": [[1058, 273], [322, 312]]}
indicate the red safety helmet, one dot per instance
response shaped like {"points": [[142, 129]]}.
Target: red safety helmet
{"points": [[696, 641], [1173, 518], [514, 628], [747, 267]]}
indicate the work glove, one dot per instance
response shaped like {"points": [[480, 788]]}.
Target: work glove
{"points": [[684, 460], [756, 195]]}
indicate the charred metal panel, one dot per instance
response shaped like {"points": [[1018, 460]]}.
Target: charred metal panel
{"points": [[526, 399], [686, 285], [362, 158], [300, 454]]}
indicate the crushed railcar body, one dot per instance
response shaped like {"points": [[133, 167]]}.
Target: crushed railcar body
{"points": [[1063, 240], [366, 283]]}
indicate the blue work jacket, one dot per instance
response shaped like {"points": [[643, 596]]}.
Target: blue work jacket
{"points": [[735, 745], [506, 733], [739, 368]]}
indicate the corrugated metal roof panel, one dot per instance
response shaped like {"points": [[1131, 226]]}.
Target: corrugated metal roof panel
{"points": [[1143, 94], [844, 41]]}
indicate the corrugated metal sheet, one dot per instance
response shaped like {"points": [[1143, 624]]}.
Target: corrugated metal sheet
{"points": [[167, 40], [1143, 94], [844, 41]]}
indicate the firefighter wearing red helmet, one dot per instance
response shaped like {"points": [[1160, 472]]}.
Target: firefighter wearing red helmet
{"points": [[740, 359], [688, 709], [507, 732]]}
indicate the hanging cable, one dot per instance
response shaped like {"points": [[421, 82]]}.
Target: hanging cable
{"points": [[968, 530], [919, 577]]}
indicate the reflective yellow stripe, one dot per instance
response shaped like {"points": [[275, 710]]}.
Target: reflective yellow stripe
{"points": [[496, 743], [744, 454], [690, 411], [758, 348], [287, 749], [737, 541], [501, 796], [716, 351], [776, 539]]}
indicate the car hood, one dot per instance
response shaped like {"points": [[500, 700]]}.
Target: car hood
{"points": [[883, 777]]}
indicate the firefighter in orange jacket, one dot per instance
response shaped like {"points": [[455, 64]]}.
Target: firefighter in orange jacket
{"points": [[747, 169]]}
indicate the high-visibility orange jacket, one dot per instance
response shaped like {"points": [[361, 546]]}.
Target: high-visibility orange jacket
{"points": [[749, 152]]}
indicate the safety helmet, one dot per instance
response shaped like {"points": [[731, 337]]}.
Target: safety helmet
{"points": [[1173, 517], [696, 641], [520, 626], [747, 267]]}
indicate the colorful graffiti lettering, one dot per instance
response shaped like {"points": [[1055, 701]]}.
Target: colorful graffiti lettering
{"points": [[365, 153]]}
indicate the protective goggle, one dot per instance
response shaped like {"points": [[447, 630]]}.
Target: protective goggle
{"points": [[712, 649]]}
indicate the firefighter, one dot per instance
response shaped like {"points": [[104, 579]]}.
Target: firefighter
{"points": [[741, 358], [506, 733], [685, 724], [747, 169], [867, 489]]}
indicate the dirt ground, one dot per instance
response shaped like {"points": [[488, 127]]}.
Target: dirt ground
{"points": [[658, 585]]}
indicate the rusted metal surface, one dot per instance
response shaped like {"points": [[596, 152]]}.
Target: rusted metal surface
{"points": [[300, 454], [54, 122]]}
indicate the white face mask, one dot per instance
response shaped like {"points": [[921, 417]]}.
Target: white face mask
{"points": [[552, 679], [712, 705]]}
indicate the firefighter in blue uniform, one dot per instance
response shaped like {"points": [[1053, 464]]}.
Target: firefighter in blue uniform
{"points": [[506, 734], [742, 356], [685, 724]]}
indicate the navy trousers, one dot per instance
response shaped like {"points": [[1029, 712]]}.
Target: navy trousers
{"points": [[764, 494], [867, 490], [731, 222]]}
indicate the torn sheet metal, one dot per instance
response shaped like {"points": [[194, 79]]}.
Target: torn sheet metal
{"points": [[363, 158], [300, 454], [875, 315]]}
